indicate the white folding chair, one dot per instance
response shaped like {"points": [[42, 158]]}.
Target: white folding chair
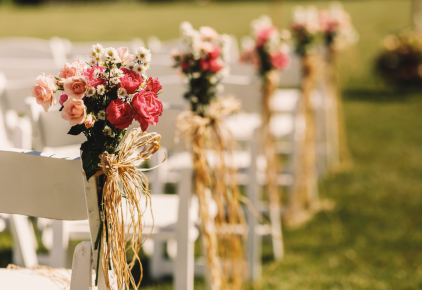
{"points": [[54, 188]]}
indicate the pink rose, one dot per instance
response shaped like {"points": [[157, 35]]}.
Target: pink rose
{"points": [[124, 54], [146, 108], [212, 50], [208, 33], [63, 98], [89, 121], [75, 87], [130, 80], [279, 60], [74, 111], [153, 85], [263, 35], [43, 91], [93, 81], [214, 65], [76, 68]]}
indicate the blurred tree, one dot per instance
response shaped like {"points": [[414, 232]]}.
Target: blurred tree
{"points": [[417, 15]]}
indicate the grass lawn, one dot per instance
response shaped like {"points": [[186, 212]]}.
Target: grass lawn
{"points": [[124, 20], [372, 240]]}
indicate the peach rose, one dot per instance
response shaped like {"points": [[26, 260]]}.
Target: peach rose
{"points": [[124, 54], [74, 111], [75, 87], [43, 91], [89, 121], [76, 68]]}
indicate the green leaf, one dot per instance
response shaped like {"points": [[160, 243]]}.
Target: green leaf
{"points": [[90, 162], [77, 129]]}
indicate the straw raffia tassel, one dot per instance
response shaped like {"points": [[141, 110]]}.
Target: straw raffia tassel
{"points": [[125, 180], [210, 133]]}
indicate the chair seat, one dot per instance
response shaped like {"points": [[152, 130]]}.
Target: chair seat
{"points": [[72, 151], [24, 279]]}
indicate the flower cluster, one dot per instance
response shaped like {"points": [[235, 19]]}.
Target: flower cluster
{"points": [[267, 52], [400, 63], [306, 29], [203, 62], [336, 27], [333, 26], [101, 98]]}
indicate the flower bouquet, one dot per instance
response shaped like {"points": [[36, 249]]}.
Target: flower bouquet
{"points": [[306, 29], [101, 99], [269, 54], [337, 28], [203, 63]]}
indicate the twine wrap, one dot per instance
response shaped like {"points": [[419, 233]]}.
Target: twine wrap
{"points": [[305, 191], [345, 159], [270, 84], [210, 134], [124, 180]]}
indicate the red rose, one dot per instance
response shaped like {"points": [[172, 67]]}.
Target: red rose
{"points": [[89, 73], [146, 108], [119, 114], [130, 80], [203, 64], [185, 66], [214, 65], [153, 85]]}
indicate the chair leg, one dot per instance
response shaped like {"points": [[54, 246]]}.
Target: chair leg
{"points": [[58, 251], [157, 260], [184, 262], [82, 267], [24, 241]]}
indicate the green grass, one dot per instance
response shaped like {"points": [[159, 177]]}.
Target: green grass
{"points": [[101, 21]]}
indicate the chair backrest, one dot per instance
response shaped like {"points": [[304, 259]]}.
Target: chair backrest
{"points": [[42, 186], [4, 141]]}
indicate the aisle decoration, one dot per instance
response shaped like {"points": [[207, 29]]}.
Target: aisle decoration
{"points": [[269, 54], [339, 34], [203, 64], [101, 99], [306, 32]]}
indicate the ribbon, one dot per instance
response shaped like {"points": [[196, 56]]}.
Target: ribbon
{"points": [[209, 134], [125, 181]]}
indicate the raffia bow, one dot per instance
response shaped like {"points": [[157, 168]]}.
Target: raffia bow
{"points": [[209, 133], [125, 180]]}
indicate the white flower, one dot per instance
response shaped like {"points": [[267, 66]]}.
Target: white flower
{"points": [[101, 115], [115, 80], [90, 91], [98, 49], [213, 80], [139, 68], [196, 75], [131, 65], [96, 73], [116, 72], [93, 54], [92, 61], [101, 90], [98, 58], [121, 92], [110, 52], [143, 54], [146, 65], [108, 131]]}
